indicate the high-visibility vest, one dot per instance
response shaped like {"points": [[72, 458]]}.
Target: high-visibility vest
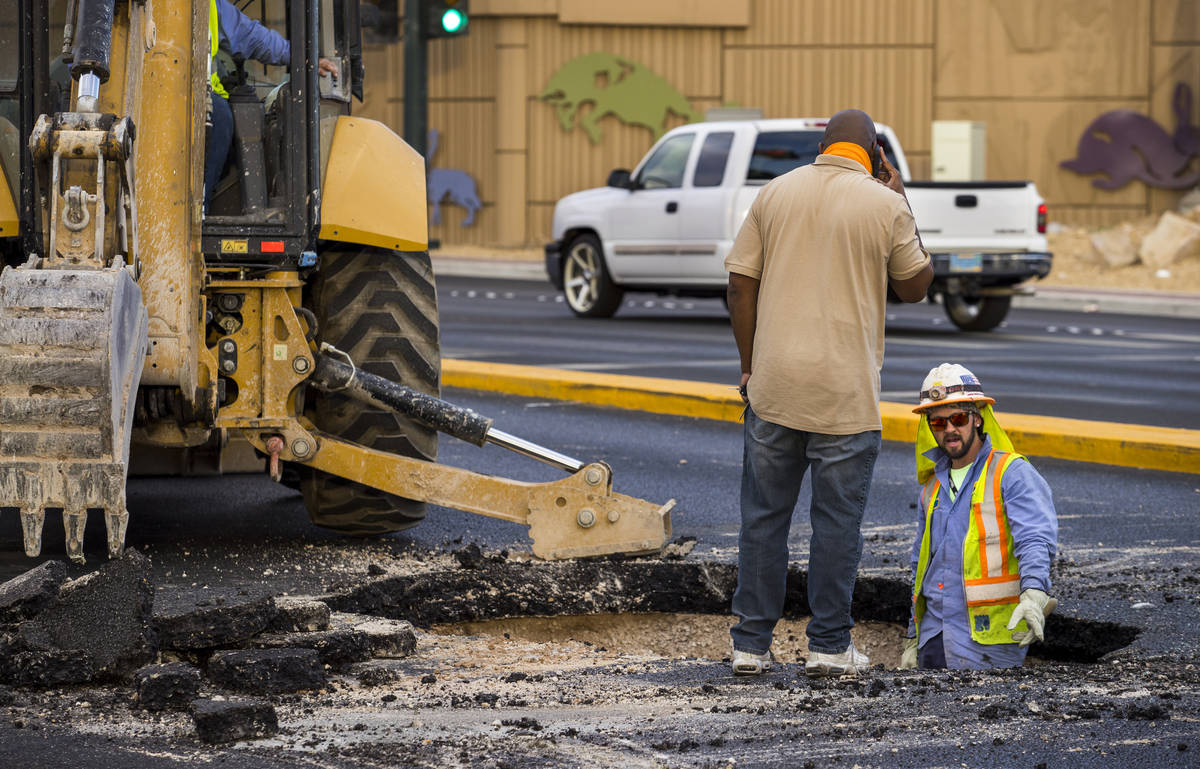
{"points": [[214, 40], [991, 573]]}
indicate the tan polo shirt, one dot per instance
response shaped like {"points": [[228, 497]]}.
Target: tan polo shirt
{"points": [[823, 240]]}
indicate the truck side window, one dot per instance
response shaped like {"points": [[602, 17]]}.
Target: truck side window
{"points": [[778, 152], [665, 167], [710, 166]]}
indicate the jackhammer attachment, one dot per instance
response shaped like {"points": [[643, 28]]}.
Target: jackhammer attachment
{"points": [[577, 516], [72, 344]]}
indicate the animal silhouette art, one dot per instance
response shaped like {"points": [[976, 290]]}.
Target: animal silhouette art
{"points": [[456, 184], [613, 86], [1126, 145]]}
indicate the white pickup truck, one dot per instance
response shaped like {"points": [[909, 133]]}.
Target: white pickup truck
{"points": [[667, 227]]}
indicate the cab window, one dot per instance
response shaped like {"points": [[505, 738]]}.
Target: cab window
{"points": [[714, 154], [665, 167], [777, 152]]}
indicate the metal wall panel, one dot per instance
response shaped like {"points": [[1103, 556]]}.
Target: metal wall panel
{"points": [[848, 22], [688, 59], [1176, 21], [1037, 49], [1028, 139], [894, 85]]}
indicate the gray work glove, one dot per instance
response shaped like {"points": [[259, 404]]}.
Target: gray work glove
{"points": [[1034, 607], [908, 657]]}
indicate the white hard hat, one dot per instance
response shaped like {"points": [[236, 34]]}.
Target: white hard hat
{"points": [[950, 383]]}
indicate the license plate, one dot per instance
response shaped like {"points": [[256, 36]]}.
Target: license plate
{"points": [[966, 262]]}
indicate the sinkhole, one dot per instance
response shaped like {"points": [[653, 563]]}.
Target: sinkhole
{"points": [[667, 608]]}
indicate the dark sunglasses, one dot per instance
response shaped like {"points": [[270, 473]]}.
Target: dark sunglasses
{"points": [[958, 419]]}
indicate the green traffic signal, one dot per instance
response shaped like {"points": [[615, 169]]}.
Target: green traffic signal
{"points": [[453, 21]]}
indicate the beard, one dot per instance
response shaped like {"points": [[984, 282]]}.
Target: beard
{"points": [[960, 448]]}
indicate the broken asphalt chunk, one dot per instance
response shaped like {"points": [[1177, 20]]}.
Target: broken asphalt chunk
{"points": [[387, 638], [299, 615], [267, 671], [185, 622], [166, 687], [221, 720], [22, 597], [334, 647], [104, 615]]}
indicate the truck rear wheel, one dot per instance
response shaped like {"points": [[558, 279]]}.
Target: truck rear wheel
{"points": [[380, 307], [979, 313], [589, 291]]}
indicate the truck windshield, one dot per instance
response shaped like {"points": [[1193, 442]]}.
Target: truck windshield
{"points": [[778, 152]]}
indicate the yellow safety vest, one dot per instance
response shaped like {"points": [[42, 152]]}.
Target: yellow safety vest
{"points": [[991, 573], [214, 39]]}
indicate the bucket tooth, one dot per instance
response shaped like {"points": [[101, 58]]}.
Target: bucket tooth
{"points": [[73, 525], [115, 523], [31, 530]]}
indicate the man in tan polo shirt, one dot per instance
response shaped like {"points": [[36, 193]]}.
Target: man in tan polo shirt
{"points": [[808, 280]]}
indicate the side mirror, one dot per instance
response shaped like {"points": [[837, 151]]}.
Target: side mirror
{"points": [[620, 178]]}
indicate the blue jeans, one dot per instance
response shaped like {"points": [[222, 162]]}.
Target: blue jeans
{"points": [[773, 468], [932, 655], [216, 146]]}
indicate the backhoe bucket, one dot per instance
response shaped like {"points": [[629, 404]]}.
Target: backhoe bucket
{"points": [[72, 345]]}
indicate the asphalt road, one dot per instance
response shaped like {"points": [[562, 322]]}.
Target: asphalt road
{"points": [[1117, 368]]}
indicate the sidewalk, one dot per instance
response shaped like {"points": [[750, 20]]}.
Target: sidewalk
{"points": [[1169, 304]]}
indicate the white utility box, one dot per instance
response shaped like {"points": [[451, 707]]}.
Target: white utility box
{"points": [[959, 151]]}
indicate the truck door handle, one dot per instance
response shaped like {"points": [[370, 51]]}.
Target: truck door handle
{"points": [[966, 201], [672, 207]]}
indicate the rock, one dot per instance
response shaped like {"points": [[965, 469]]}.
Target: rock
{"points": [[105, 613], [334, 647], [299, 615], [1115, 247], [219, 720], [24, 596], [185, 623], [1174, 238], [388, 638], [166, 687], [267, 671], [469, 557]]}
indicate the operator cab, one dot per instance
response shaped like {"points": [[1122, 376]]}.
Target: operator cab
{"points": [[265, 208]]}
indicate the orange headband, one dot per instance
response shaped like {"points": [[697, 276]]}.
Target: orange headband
{"points": [[852, 151]]}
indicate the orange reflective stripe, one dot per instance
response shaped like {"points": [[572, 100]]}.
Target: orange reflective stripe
{"points": [[994, 580], [977, 512]]}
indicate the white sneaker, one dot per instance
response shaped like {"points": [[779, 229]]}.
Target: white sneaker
{"points": [[747, 664], [849, 663]]}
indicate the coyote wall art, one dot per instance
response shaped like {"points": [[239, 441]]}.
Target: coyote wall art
{"points": [[457, 185]]}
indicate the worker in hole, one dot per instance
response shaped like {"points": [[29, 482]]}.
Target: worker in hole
{"points": [[986, 536]]}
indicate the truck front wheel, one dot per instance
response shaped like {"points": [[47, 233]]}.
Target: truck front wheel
{"points": [[589, 290], [976, 313]]}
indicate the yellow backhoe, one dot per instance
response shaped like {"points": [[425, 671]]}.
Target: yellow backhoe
{"points": [[298, 313]]}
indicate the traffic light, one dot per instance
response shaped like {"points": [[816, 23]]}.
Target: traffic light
{"points": [[446, 18]]}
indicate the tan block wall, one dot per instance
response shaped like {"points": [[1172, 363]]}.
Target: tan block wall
{"points": [[1036, 72]]}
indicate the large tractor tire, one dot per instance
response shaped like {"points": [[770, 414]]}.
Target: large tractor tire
{"points": [[380, 307]]}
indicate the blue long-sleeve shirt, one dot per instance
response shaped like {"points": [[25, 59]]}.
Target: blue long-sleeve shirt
{"points": [[1034, 525], [245, 37]]}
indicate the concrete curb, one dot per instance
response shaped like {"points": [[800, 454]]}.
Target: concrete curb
{"points": [[1171, 304], [1111, 443]]}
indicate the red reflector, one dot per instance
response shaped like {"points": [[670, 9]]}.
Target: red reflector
{"points": [[1041, 219], [271, 247]]}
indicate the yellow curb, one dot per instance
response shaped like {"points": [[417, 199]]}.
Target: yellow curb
{"points": [[1109, 443]]}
